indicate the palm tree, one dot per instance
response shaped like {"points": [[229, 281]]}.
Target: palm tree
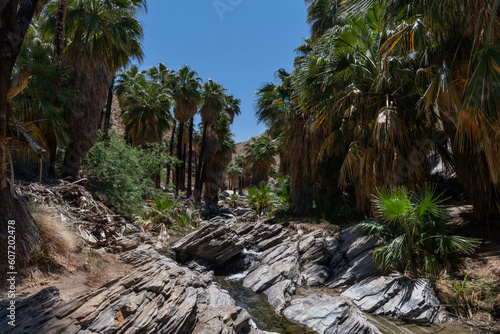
{"points": [[234, 172], [62, 6], [241, 162], [104, 36], [216, 163], [455, 43], [213, 102], [233, 107], [16, 17], [187, 97], [44, 103], [355, 111], [276, 108], [415, 231], [147, 112], [323, 15], [261, 153]]}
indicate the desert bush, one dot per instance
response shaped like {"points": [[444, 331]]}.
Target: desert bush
{"points": [[121, 175]]}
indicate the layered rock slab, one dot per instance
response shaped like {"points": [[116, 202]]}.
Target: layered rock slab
{"points": [[396, 296], [160, 297], [329, 315]]}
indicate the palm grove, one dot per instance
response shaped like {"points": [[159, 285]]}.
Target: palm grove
{"points": [[61, 63], [380, 93]]}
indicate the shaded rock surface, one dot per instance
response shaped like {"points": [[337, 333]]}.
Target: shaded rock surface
{"points": [[218, 241], [315, 259], [351, 259], [400, 297], [329, 315], [159, 297]]}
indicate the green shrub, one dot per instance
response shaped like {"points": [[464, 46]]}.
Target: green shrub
{"points": [[268, 199], [234, 201], [167, 210], [283, 193], [121, 175], [415, 231], [262, 199]]}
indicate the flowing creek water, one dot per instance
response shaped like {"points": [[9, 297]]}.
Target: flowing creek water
{"points": [[268, 319], [263, 314]]}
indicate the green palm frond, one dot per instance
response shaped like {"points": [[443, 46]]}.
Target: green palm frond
{"points": [[483, 88], [372, 228], [392, 204], [430, 206]]}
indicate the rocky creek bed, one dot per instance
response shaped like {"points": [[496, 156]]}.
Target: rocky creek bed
{"points": [[183, 295]]}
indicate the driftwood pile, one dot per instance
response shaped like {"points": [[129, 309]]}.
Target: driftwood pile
{"points": [[97, 224]]}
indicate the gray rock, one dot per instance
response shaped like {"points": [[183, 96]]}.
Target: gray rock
{"points": [[242, 211], [227, 194], [125, 244], [214, 242], [325, 314], [160, 297], [351, 259], [287, 265], [396, 296], [217, 241], [280, 294], [250, 216]]}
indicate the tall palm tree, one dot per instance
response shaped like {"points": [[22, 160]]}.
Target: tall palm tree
{"points": [[276, 108], [147, 112], [104, 36], [216, 163], [241, 162], [234, 172], [187, 97], [323, 15], [233, 107], [16, 17], [213, 102], [44, 103], [62, 6], [456, 45], [261, 153]]}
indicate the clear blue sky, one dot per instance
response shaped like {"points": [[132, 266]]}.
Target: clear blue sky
{"points": [[239, 43]]}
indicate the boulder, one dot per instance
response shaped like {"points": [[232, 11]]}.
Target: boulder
{"points": [[227, 194], [216, 242], [326, 314], [396, 296]]}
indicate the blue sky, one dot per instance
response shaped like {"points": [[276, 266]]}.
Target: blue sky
{"points": [[239, 43]]}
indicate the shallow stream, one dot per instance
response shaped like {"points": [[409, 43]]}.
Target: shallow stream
{"points": [[266, 318]]}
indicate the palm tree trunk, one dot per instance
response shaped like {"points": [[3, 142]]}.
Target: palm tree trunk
{"points": [[190, 158], [172, 138], [14, 23], [109, 106], [198, 182], [183, 174], [179, 156], [62, 6]]}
